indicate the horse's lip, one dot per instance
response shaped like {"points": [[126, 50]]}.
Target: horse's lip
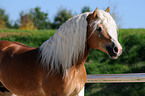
{"points": [[112, 54], [114, 57]]}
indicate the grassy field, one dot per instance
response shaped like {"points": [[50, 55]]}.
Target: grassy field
{"points": [[30, 38], [132, 59]]}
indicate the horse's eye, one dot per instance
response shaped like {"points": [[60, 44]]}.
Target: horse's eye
{"points": [[99, 29]]}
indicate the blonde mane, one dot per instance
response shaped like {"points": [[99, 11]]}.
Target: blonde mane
{"points": [[65, 46], [62, 50]]}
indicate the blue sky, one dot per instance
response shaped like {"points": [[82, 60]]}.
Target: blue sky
{"points": [[131, 12]]}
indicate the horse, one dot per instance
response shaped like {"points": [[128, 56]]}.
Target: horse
{"points": [[56, 68]]}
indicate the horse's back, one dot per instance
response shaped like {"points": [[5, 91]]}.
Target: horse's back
{"points": [[13, 46]]}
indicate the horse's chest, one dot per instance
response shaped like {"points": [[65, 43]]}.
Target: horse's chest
{"points": [[70, 85], [75, 84]]}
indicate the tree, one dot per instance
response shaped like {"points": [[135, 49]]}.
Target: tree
{"points": [[40, 19], [4, 20], [62, 16], [85, 9], [34, 19], [27, 23], [16, 24]]}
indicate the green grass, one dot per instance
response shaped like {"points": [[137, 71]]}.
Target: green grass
{"points": [[132, 59], [30, 38]]}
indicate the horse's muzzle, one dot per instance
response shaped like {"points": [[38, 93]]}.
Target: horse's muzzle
{"points": [[114, 51]]}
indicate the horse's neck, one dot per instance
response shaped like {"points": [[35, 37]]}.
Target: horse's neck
{"points": [[82, 59]]}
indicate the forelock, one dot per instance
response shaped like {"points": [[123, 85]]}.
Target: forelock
{"points": [[109, 23]]}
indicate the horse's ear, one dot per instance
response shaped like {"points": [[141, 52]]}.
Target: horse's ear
{"points": [[95, 13], [107, 10]]}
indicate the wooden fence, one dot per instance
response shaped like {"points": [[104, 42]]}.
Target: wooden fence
{"points": [[114, 78]]}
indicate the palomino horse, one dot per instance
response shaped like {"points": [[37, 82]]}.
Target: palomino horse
{"points": [[56, 68]]}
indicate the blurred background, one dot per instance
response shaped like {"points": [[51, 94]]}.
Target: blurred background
{"points": [[128, 13], [33, 21]]}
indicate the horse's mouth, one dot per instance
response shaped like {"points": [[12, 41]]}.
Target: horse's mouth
{"points": [[112, 51]]}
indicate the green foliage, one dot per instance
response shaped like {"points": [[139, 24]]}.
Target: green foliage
{"points": [[40, 18], [116, 89], [85, 9], [4, 20], [27, 23], [33, 39], [35, 19], [62, 16]]}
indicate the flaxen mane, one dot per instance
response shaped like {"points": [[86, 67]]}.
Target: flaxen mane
{"points": [[64, 47]]}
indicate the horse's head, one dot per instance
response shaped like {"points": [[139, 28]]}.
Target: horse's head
{"points": [[102, 33]]}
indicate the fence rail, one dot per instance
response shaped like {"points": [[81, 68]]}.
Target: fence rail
{"points": [[114, 78]]}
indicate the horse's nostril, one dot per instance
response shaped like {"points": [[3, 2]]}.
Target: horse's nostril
{"points": [[115, 49]]}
